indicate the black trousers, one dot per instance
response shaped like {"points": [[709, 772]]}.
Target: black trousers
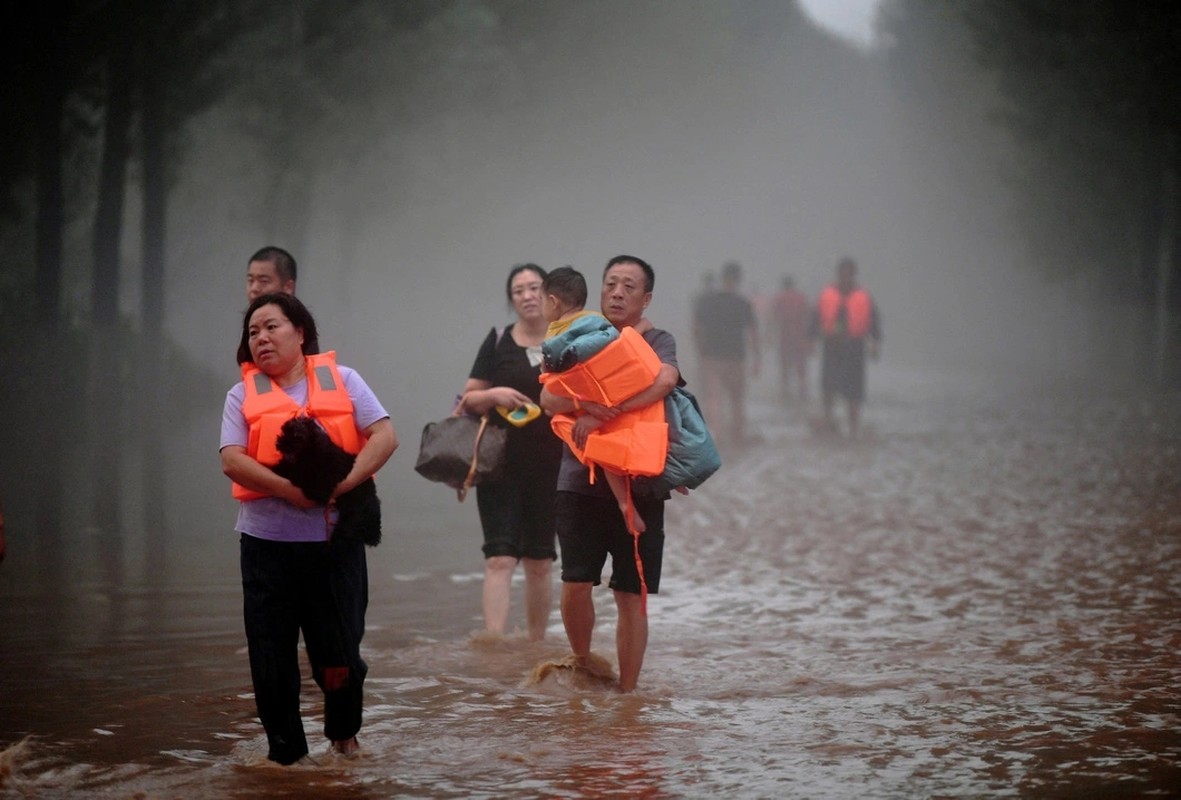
{"points": [[321, 589]]}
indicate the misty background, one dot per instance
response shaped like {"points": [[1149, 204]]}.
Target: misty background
{"points": [[1003, 172]]}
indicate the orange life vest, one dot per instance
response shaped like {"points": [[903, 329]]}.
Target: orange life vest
{"points": [[634, 443], [624, 367], [266, 407], [858, 311]]}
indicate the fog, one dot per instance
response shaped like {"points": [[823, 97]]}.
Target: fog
{"points": [[975, 597], [679, 132]]}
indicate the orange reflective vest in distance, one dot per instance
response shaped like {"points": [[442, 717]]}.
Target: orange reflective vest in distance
{"points": [[858, 311], [266, 407]]}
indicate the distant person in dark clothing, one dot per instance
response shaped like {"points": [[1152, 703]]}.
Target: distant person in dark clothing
{"points": [[709, 285], [273, 269], [848, 322], [726, 333], [791, 315]]}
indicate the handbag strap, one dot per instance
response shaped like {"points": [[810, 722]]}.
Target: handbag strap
{"points": [[461, 492]]}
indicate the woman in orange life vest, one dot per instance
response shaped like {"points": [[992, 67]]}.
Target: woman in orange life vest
{"points": [[847, 319], [295, 576]]}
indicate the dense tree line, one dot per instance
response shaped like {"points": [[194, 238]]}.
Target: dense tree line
{"points": [[100, 96], [103, 99], [1090, 92]]}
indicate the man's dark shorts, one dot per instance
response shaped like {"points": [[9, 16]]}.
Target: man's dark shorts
{"points": [[590, 528], [842, 368]]}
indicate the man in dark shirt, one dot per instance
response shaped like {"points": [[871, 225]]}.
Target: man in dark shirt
{"points": [[590, 525], [273, 269], [726, 332]]}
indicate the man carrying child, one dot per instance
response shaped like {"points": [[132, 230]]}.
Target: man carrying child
{"points": [[572, 329], [590, 525]]}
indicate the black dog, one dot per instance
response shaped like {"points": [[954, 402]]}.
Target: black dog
{"points": [[315, 464]]}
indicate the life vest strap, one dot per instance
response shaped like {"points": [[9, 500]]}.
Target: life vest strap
{"points": [[630, 518]]}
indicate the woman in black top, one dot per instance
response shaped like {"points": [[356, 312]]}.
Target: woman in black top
{"points": [[517, 513]]}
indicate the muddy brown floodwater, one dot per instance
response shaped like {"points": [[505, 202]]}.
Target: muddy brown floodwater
{"points": [[978, 599]]}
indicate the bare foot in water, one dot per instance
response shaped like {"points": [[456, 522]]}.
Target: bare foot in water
{"points": [[347, 747]]}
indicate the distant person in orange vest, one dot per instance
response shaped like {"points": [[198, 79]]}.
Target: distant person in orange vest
{"points": [[727, 333], [847, 321], [273, 269], [790, 315]]}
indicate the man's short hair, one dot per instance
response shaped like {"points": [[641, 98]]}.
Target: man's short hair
{"points": [[649, 274], [567, 284], [731, 271], [284, 262]]}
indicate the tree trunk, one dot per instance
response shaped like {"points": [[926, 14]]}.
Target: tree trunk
{"points": [[108, 219], [1164, 258], [105, 408], [288, 207], [288, 199], [50, 191], [49, 229], [155, 197]]}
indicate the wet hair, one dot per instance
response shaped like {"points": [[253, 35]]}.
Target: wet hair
{"points": [[649, 274], [514, 272], [292, 308], [566, 284], [284, 262]]}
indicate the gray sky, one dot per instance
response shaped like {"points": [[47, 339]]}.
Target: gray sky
{"points": [[851, 19]]}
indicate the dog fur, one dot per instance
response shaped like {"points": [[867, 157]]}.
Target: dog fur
{"points": [[316, 464]]}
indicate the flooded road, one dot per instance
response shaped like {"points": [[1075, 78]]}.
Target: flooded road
{"points": [[979, 599]]}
